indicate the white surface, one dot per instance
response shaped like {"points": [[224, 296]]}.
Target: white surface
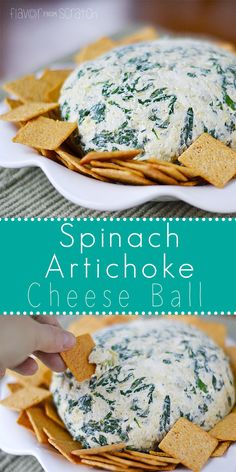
{"points": [[103, 196]]}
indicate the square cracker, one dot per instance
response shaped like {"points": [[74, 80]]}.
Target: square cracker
{"points": [[28, 89], [99, 450], [94, 50], [25, 398], [44, 133], [225, 430], [66, 448], [51, 412], [40, 421], [77, 358], [55, 77], [23, 420], [221, 449], [189, 443], [14, 386], [212, 159], [27, 111]]}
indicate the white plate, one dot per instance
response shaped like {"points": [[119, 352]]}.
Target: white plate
{"points": [[103, 196], [15, 439]]}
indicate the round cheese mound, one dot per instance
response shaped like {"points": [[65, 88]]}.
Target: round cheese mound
{"points": [[158, 96], [148, 374]]}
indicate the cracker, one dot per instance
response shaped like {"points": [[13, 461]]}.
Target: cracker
{"points": [[151, 172], [221, 449], [54, 94], [231, 352], [40, 421], [213, 160], [53, 77], [99, 449], [123, 176], [77, 358], [145, 458], [106, 165], [144, 34], [73, 163], [230, 47], [190, 183], [189, 443], [105, 465], [225, 430], [23, 420], [49, 154], [28, 111], [51, 412], [28, 89], [65, 448], [151, 454], [173, 172], [106, 155], [131, 462], [14, 387], [140, 459], [94, 50], [44, 133], [215, 331], [12, 103], [25, 398], [41, 378]]}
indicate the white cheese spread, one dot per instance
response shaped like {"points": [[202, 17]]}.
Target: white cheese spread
{"points": [[158, 96], [149, 373]]}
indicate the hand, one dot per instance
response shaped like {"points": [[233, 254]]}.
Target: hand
{"points": [[21, 336]]}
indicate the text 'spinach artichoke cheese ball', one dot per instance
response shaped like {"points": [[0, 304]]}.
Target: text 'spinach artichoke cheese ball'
{"points": [[148, 375], [158, 96]]}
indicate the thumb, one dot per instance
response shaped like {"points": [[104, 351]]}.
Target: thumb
{"points": [[52, 339]]}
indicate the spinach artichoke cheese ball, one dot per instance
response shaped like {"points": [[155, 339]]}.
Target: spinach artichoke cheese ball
{"points": [[158, 96], [148, 375]]}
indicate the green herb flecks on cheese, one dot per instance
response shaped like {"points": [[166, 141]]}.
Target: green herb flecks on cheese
{"points": [[148, 374], [158, 96]]}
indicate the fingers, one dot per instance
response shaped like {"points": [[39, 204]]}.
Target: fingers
{"points": [[53, 361], [52, 339], [28, 367], [46, 319]]}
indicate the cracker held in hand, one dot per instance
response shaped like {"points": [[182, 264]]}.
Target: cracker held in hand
{"points": [[212, 159], [189, 443], [44, 133], [77, 358]]}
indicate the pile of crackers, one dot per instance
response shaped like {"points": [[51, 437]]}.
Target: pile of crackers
{"points": [[35, 110], [185, 444]]}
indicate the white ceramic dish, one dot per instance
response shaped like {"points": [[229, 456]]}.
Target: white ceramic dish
{"points": [[103, 196]]}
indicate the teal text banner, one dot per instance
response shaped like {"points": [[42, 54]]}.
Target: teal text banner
{"points": [[145, 266]]}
